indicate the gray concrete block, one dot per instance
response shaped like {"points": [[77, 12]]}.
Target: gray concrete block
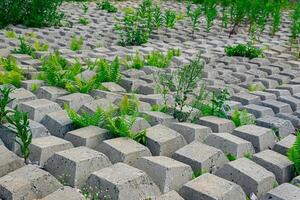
{"points": [[211, 187], [123, 150], [285, 144], [277, 106], [41, 149], [249, 175], [9, 161], [51, 93], [74, 166], [123, 182], [74, 101], [260, 137], [27, 183], [259, 111], [20, 95], [209, 160], [230, 144], [285, 191], [217, 125], [172, 195], [167, 173], [163, 141], [155, 118], [64, 193]]}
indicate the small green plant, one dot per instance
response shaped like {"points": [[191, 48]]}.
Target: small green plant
{"points": [[76, 43], [158, 59], [24, 48], [294, 153], [19, 124], [108, 72], [216, 105], [158, 18], [4, 101], [10, 73], [85, 7], [231, 157], [10, 34], [83, 21], [170, 18], [210, 11], [295, 18], [133, 29], [40, 47], [241, 118], [256, 87], [182, 82], [248, 155], [34, 87], [106, 5], [198, 173], [194, 16], [244, 50], [135, 61]]}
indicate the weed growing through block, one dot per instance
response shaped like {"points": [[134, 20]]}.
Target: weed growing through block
{"points": [[19, 124], [76, 43], [106, 5], [244, 50], [24, 48], [83, 21], [4, 101], [194, 15], [241, 118], [10, 34], [10, 73], [294, 153], [170, 18]]}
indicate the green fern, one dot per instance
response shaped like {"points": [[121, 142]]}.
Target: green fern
{"points": [[108, 72], [294, 153], [129, 106]]}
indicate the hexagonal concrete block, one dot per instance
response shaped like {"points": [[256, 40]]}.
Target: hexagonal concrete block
{"points": [[9, 161], [65, 193], [27, 183], [217, 125], [249, 175], [230, 144], [163, 141], [276, 163], [167, 173], [123, 150], [209, 160], [260, 137], [41, 149], [75, 100], [285, 191], [58, 123], [74, 166], [90, 136], [191, 132], [123, 182], [39, 108], [211, 187], [285, 144]]}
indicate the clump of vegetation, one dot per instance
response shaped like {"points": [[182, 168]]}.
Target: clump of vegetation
{"points": [[170, 18], [241, 118], [19, 124], [182, 82], [118, 121], [230, 157], [194, 16], [106, 5], [85, 7], [154, 58], [10, 73], [30, 13], [76, 43], [83, 21], [40, 47], [10, 34], [294, 153], [213, 106], [4, 101], [244, 50], [295, 17], [56, 71], [24, 48], [255, 87]]}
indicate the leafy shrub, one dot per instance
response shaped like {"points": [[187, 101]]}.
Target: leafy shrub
{"points": [[106, 5], [194, 15], [76, 43], [10, 34], [295, 18], [182, 82], [19, 124], [135, 61], [294, 153], [34, 13], [24, 48], [10, 73], [4, 101], [241, 118], [158, 59], [108, 72], [133, 29], [230, 157], [243, 50]]}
